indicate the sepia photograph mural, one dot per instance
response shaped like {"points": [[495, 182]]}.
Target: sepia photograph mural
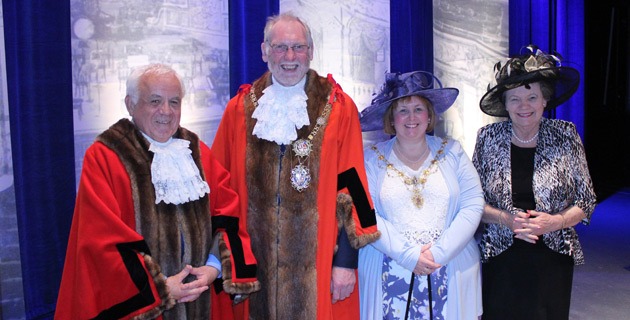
{"points": [[111, 37], [352, 42], [469, 37]]}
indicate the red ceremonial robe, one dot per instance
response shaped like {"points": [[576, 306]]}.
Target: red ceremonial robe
{"points": [[122, 244], [294, 233]]}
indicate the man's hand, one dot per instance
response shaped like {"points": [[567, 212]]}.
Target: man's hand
{"points": [[186, 292], [342, 283], [205, 275]]}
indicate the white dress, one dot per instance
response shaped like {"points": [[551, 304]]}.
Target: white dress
{"points": [[420, 226]]}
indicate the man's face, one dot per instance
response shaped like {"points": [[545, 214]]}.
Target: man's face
{"points": [[287, 67], [158, 110]]}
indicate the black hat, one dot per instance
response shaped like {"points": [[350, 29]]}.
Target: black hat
{"points": [[396, 86], [535, 66]]}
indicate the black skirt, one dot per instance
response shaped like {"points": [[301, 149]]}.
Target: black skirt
{"points": [[527, 281]]}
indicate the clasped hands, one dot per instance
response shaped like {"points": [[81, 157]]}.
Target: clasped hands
{"points": [[426, 264], [186, 292], [528, 226]]}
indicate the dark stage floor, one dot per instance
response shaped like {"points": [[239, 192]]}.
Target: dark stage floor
{"points": [[601, 287]]}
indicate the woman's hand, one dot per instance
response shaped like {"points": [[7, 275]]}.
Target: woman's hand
{"points": [[519, 224], [541, 222], [426, 264]]}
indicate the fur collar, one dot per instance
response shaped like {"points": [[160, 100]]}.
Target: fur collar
{"points": [[155, 222], [282, 273]]}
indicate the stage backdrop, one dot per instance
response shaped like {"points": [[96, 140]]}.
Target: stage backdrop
{"points": [[351, 42], [109, 38], [11, 293], [469, 38]]}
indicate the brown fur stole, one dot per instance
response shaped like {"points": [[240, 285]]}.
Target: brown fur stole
{"points": [[165, 226], [284, 235]]}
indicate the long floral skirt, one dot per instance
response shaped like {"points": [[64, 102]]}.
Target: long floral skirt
{"points": [[396, 280]]}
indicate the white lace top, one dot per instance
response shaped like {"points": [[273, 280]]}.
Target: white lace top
{"points": [[419, 226]]}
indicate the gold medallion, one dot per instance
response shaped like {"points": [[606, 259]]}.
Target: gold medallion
{"points": [[417, 200]]}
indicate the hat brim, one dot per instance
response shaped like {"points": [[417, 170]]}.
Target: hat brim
{"points": [[441, 99], [564, 79]]}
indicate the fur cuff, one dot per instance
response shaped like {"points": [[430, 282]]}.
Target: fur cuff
{"points": [[160, 284], [345, 219], [229, 285]]}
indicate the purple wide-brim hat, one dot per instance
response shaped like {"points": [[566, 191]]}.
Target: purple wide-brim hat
{"points": [[532, 67], [396, 86]]}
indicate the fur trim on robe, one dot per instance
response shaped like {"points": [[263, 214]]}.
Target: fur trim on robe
{"points": [[265, 182], [345, 220], [285, 237], [155, 222]]}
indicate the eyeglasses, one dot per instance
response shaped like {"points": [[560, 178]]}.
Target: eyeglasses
{"points": [[283, 48]]}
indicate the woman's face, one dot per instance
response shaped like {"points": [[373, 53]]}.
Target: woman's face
{"points": [[411, 118], [525, 106]]}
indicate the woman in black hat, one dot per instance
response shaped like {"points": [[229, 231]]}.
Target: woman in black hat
{"points": [[429, 203], [537, 187]]}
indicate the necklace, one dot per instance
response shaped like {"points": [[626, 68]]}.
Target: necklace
{"points": [[524, 141], [397, 146], [300, 174], [413, 184]]}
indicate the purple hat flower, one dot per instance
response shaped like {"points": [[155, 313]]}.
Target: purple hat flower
{"points": [[396, 86]]}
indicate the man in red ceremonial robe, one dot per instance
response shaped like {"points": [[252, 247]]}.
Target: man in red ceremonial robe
{"points": [[155, 221], [293, 145]]}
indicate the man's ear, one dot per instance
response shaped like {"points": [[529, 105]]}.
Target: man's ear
{"points": [[128, 104], [265, 58]]}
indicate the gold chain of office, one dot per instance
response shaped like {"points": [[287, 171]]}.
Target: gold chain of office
{"points": [[413, 183], [300, 174]]}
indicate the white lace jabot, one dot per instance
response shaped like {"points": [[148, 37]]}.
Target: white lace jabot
{"points": [[174, 174], [280, 112]]}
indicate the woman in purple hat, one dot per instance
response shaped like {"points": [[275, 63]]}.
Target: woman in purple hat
{"points": [[429, 203], [537, 187]]}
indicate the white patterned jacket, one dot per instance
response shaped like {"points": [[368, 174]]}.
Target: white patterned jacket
{"points": [[561, 180]]}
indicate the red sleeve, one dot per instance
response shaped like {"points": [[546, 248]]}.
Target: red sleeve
{"points": [[224, 206], [104, 249], [352, 178], [229, 151]]}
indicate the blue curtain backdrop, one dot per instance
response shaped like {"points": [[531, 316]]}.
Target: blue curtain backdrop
{"points": [[247, 20], [553, 25], [411, 37], [411, 25], [39, 81]]}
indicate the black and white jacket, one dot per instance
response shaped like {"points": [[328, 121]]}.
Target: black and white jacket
{"points": [[561, 180]]}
